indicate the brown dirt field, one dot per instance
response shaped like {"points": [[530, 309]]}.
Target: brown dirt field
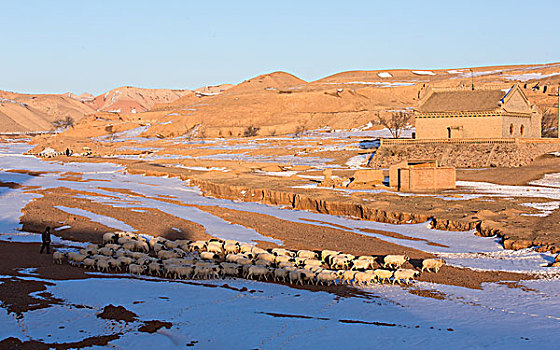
{"points": [[545, 164], [117, 313], [40, 213], [12, 343], [306, 236]]}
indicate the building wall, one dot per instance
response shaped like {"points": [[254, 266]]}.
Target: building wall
{"points": [[426, 179], [461, 127], [516, 103], [515, 123]]}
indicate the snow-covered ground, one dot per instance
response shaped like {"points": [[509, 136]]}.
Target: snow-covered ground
{"points": [[278, 316], [146, 192], [247, 315]]}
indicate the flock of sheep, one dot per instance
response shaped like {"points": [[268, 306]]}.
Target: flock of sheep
{"points": [[213, 259]]}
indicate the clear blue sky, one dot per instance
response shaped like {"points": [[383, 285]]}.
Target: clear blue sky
{"points": [[94, 46]]}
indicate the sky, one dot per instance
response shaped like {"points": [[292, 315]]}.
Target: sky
{"points": [[95, 46]]}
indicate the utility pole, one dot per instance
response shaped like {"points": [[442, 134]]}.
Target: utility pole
{"points": [[472, 78]]}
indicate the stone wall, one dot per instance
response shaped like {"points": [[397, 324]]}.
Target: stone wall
{"points": [[464, 154]]}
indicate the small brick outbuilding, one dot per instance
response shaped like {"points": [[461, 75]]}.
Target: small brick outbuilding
{"points": [[421, 176]]}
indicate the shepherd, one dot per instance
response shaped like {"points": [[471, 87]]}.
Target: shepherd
{"points": [[46, 238]]}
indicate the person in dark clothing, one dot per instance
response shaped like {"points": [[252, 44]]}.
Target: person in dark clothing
{"points": [[46, 238], [67, 152]]}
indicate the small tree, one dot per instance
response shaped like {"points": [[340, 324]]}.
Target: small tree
{"points": [[549, 125], [251, 131], [300, 130], [396, 122], [110, 131], [65, 122]]}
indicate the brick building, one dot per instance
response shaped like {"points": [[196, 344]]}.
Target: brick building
{"points": [[421, 176], [487, 112]]}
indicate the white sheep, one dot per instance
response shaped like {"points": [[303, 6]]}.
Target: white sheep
{"points": [[313, 262], [171, 244], [89, 263], [135, 269], [184, 271], [137, 255], [257, 250], [123, 240], [339, 262], [58, 257], [281, 274], [157, 240], [327, 277], [299, 261], [155, 268], [208, 256], [259, 272], [206, 271], [115, 263], [129, 245], [112, 246], [282, 259], [283, 264], [394, 261], [363, 278], [125, 260], [109, 237], [231, 269], [106, 251], [432, 264], [347, 276], [170, 270], [166, 254], [231, 248], [361, 264], [123, 252], [327, 253], [306, 254], [76, 258], [245, 248], [260, 262], [295, 277], [282, 252], [267, 257], [103, 265], [313, 268], [197, 246], [214, 247], [382, 275], [404, 274]]}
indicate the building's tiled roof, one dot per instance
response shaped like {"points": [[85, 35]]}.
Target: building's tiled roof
{"points": [[462, 100]]}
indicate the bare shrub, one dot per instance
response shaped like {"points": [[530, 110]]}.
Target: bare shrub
{"points": [[110, 131], [396, 122], [65, 122], [549, 125], [300, 130], [251, 131]]}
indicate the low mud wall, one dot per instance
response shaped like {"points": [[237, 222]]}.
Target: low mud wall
{"points": [[464, 154]]}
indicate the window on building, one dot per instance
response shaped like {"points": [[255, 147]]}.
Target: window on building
{"points": [[522, 129], [511, 129]]}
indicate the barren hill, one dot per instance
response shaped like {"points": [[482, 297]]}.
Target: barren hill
{"points": [[25, 112], [128, 99], [280, 103], [36, 112]]}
